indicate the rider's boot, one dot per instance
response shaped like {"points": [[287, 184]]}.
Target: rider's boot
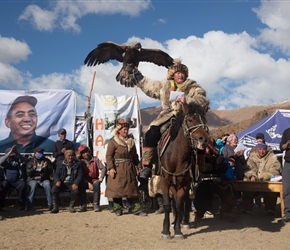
{"points": [[147, 159], [159, 199]]}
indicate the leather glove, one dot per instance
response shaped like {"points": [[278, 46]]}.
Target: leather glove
{"points": [[129, 76]]}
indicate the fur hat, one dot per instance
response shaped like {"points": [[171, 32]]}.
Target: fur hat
{"points": [[177, 67], [121, 124]]}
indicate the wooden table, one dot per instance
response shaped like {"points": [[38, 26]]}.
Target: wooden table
{"points": [[260, 186]]}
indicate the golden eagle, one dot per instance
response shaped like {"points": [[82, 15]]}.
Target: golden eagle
{"points": [[128, 54]]}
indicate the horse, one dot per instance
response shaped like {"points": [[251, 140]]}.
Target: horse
{"points": [[188, 137]]}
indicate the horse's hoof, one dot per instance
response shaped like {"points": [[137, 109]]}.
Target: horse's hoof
{"points": [[186, 226], [179, 236], [165, 236]]}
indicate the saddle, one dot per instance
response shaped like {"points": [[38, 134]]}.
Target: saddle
{"points": [[165, 135]]}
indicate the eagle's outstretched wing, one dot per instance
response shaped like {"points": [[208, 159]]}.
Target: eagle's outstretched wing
{"points": [[156, 56], [130, 56], [104, 52]]}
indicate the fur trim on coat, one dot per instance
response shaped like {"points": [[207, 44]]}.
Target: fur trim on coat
{"points": [[262, 168], [160, 90]]}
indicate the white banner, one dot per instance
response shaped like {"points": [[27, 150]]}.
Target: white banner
{"points": [[107, 111], [31, 119], [81, 132]]}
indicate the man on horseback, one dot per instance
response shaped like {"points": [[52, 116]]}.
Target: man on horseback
{"points": [[177, 81]]}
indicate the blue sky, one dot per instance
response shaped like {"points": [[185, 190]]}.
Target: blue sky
{"points": [[237, 50]]}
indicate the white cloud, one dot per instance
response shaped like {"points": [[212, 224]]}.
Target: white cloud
{"points": [[13, 51], [231, 67], [275, 14], [228, 66], [10, 77], [65, 14], [43, 20], [162, 20]]}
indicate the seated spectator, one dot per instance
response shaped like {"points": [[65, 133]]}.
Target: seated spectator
{"points": [[229, 175], [262, 165], [210, 184], [260, 138], [91, 166], [14, 176], [229, 151], [39, 170], [69, 176]]}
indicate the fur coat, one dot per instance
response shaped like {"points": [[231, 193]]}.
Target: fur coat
{"points": [[160, 90], [262, 168], [123, 157]]}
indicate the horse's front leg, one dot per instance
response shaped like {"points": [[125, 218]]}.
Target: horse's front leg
{"points": [[165, 234], [177, 228], [186, 212]]}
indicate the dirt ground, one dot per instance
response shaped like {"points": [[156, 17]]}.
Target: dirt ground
{"points": [[39, 229]]}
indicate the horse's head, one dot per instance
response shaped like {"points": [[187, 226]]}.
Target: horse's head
{"points": [[194, 126]]}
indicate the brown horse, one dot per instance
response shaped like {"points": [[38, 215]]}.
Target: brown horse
{"points": [[178, 159]]}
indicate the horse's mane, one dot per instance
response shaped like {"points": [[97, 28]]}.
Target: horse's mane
{"points": [[177, 122]]}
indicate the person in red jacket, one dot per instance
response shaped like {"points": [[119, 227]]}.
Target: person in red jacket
{"points": [[92, 165]]}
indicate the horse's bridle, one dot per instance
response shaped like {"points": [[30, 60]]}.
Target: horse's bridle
{"points": [[188, 131]]}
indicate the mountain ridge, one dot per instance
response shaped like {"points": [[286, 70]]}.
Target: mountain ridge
{"points": [[224, 121]]}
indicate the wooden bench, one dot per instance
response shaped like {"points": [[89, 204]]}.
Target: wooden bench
{"points": [[260, 186]]}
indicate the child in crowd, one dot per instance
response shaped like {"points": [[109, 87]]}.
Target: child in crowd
{"points": [[229, 175]]}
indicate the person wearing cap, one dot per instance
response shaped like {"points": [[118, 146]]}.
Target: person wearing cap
{"points": [[61, 145], [13, 166], [39, 170], [69, 176], [260, 138], [177, 81], [229, 175], [261, 166], [92, 166], [21, 119], [122, 163]]}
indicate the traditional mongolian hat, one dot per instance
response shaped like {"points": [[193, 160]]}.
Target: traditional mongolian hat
{"points": [[177, 67]]}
